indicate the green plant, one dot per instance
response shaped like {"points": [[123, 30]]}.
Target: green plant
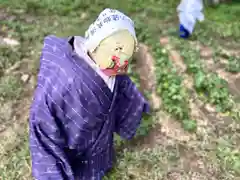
{"points": [[208, 85], [230, 158], [214, 89], [169, 84], [233, 65]]}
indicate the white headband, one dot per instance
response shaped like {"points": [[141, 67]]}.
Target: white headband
{"points": [[108, 22]]}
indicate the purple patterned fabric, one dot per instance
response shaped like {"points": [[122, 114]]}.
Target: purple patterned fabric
{"points": [[74, 114]]}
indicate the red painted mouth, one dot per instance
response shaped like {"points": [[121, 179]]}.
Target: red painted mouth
{"points": [[116, 68]]}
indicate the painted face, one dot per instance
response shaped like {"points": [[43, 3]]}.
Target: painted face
{"points": [[114, 53]]}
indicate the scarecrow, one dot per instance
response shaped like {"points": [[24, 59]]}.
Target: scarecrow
{"points": [[189, 12], [83, 96]]}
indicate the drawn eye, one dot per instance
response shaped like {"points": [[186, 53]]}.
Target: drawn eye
{"points": [[118, 49]]}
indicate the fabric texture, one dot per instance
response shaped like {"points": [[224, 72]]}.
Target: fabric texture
{"points": [[74, 114], [108, 22]]}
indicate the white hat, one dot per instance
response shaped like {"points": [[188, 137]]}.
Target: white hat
{"points": [[108, 22]]}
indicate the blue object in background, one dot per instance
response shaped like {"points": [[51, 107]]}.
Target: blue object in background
{"points": [[183, 33]]}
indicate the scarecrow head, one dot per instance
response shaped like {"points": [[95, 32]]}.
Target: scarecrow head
{"points": [[111, 42]]}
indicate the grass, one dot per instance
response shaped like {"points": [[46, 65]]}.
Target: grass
{"points": [[10, 88], [17, 164], [9, 56], [212, 152]]}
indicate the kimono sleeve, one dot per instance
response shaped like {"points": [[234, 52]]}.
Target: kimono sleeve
{"points": [[130, 109], [54, 132], [49, 160]]}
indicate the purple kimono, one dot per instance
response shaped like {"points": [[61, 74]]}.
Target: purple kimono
{"points": [[74, 115]]}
